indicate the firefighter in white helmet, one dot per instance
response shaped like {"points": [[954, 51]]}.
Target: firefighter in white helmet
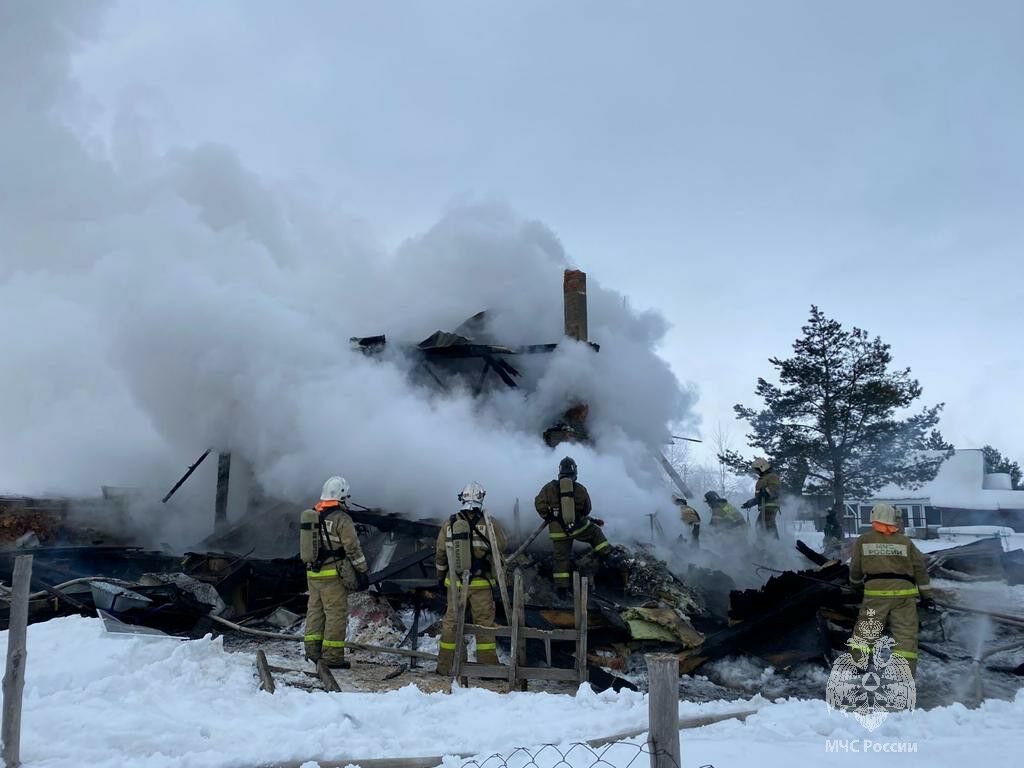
{"points": [[463, 546], [894, 576], [335, 565]]}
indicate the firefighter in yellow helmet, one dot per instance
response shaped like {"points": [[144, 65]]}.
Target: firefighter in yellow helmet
{"points": [[767, 495], [689, 517], [565, 505], [894, 576], [335, 565], [471, 551]]}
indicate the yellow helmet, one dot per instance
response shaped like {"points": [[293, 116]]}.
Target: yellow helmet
{"points": [[885, 513], [760, 464]]}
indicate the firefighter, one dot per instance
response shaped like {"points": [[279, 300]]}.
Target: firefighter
{"points": [[767, 492], [471, 551], [689, 517], [894, 577], [335, 564], [724, 516], [565, 505]]}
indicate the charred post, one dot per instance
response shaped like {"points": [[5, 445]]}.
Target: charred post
{"points": [[220, 515]]}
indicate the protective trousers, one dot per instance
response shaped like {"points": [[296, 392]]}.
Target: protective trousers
{"points": [[480, 609], [326, 618], [561, 543], [766, 519], [899, 617]]}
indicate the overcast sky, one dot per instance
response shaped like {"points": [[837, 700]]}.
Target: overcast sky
{"points": [[726, 163]]}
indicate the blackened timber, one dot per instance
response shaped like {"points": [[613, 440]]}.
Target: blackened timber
{"points": [[815, 557], [778, 613], [220, 515], [188, 473]]}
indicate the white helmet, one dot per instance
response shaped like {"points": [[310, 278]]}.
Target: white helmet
{"points": [[335, 489], [760, 464], [472, 496], [885, 513]]}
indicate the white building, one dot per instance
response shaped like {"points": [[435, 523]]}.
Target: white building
{"points": [[961, 494]]}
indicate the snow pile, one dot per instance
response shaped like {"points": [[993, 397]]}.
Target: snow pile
{"points": [[151, 702]]}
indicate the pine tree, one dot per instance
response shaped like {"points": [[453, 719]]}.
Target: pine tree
{"points": [[996, 462], [833, 425]]}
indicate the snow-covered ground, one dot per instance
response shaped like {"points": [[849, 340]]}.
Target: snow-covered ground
{"points": [[948, 537], [94, 699]]}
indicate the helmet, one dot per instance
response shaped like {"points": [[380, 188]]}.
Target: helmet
{"points": [[760, 464], [472, 496], [335, 489], [567, 468], [885, 513], [680, 500], [712, 498]]}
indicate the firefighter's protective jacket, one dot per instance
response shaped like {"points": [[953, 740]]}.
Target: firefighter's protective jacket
{"points": [[767, 491], [342, 544], [688, 514], [482, 565], [549, 503], [888, 565], [725, 516]]}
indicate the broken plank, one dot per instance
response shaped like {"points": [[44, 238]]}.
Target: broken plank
{"points": [[460, 618], [327, 678], [526, 632], [485, 671], [548, 673], [517, 624], [266, 678], [499, 566]]}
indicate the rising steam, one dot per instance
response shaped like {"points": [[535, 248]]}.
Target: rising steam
{"points": [[156, 303]]}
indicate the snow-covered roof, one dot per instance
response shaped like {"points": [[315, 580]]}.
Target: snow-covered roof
{"points": [[960, 484]]}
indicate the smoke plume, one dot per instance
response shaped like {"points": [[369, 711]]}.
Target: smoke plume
{"points": [[157, 302]]}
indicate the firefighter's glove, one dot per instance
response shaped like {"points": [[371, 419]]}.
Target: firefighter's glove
{"points": [[597, 521], [362, 580], [929, 604], [749, 504]]}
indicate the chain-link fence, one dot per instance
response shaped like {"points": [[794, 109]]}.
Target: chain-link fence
{"points": [[617, 754]]}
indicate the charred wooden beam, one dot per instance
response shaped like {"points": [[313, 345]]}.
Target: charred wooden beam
{"points": [[220, 513], [781, 606], [186, 476], [815, 557]]}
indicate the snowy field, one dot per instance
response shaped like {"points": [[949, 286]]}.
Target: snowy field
{"points": [[93, 699]]}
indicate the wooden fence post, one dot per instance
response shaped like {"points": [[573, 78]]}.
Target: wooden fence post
{"points": [[14, 677], [663, 709]]}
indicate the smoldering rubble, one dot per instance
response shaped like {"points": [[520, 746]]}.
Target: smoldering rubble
{"points": [[249, 575]]}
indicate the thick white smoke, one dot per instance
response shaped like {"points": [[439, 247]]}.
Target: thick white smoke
{"points": [[156, 303]]}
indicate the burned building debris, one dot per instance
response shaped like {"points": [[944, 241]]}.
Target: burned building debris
{"points": [[795, 617]]}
